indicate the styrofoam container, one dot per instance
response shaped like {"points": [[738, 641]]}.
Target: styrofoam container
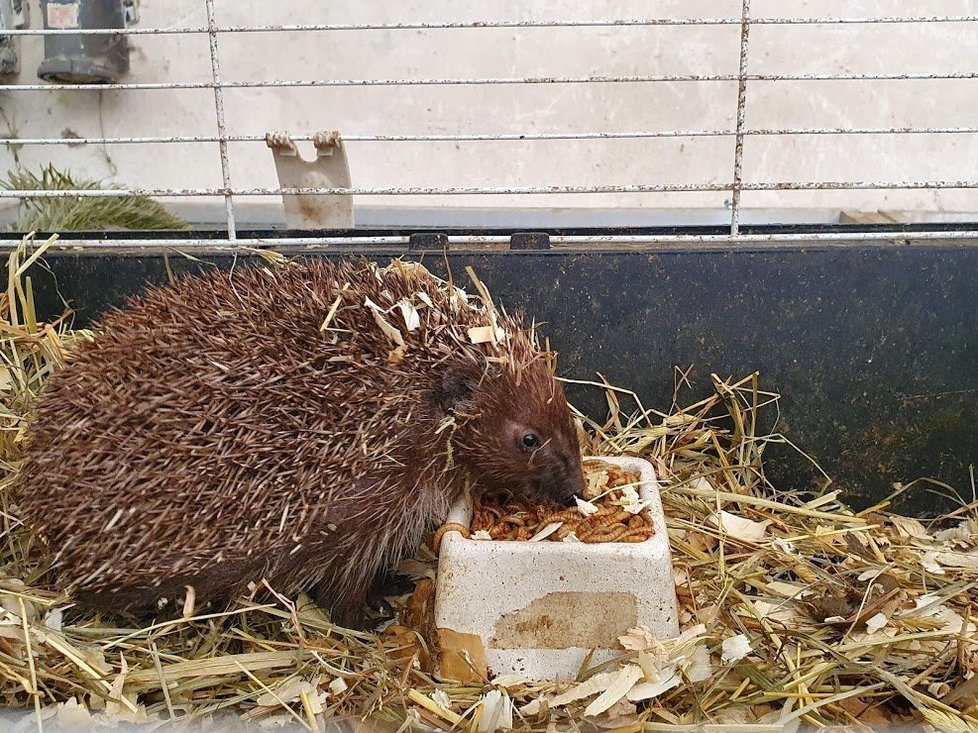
{"points": [[537, 609]]}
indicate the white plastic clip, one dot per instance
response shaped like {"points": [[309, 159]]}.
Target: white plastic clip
{"points": [[330, 169]]}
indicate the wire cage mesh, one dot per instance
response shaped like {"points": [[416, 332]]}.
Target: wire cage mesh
{"points": [[723, 114]]}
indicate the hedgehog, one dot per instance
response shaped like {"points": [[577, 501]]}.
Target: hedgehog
{"points": [[296, 428]]}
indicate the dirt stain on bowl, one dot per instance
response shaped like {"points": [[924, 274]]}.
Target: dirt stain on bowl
{"points": [[564, 619]]}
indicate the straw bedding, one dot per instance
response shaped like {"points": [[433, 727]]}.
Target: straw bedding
{"points": [[795, 609]]}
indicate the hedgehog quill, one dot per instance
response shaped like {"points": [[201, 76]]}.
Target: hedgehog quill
{"points": [[302, 425]]}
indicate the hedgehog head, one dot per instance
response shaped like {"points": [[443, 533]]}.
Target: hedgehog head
{"points": [[515, 431]]}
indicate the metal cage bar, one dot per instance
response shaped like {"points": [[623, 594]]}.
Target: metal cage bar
{"points": [[487, 81], [219, 113], [738, 167], [498, 137], [497, 190], [503, 24]]}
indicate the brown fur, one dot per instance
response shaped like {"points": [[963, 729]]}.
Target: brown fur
{"points": [[213, 435]]}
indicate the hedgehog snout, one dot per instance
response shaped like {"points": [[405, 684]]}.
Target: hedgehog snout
{"points": [[562, 484], [573, 484]]}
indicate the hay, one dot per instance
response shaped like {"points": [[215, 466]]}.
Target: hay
{"points": [[795, 609]]}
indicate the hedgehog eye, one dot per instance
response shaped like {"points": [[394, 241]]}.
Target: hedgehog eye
{"points": [[530, 441]]}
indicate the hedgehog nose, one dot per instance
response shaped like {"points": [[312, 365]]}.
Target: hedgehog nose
{"points": [[569, 496], [576, 483], [561, 491], [574, 486]]}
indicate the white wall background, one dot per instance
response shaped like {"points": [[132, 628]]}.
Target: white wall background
{"points": [[936, 47]]}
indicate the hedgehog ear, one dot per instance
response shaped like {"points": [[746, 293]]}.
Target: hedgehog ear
{"points": [[454, 388]]}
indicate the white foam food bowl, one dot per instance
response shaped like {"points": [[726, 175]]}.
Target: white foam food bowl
{"points": [[537, 609]]}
